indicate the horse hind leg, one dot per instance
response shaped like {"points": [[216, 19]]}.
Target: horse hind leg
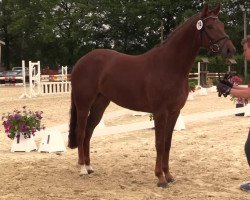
{"points": [[82, 115], [95, 116]]}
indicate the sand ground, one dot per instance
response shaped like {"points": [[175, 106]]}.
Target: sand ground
{"points": [[207, 158]]}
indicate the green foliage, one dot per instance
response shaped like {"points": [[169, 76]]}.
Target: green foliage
{"points": [[246, 80], [60, 32], [191, 85]]}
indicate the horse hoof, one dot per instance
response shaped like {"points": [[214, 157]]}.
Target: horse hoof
{"points": [[82, 175], [162, 185], [90, 171], [170, 180], [83, 171]]}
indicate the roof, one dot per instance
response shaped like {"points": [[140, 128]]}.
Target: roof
{"points": [[204, 60], [2, 43], [231, 61]]}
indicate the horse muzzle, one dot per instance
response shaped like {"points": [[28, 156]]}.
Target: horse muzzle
{"points": [[228, 50], [223, 46]]}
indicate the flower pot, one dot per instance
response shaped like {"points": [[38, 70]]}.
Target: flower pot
{"points": [[22, 144], [52, 141], [247, 110], [239, 105], [179, 125], [190, 96]]}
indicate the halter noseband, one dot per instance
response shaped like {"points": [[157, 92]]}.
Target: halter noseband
{"points": [[214, 45]]}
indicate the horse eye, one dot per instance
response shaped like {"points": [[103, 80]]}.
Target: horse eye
{"points": [[209, 26]]}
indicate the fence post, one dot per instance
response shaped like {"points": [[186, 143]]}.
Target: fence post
{"points": [[199, 73]]}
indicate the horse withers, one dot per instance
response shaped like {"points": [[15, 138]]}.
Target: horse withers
{"points": [[154, 82]]}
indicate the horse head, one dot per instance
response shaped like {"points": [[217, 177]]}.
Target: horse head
{"points": [[213, 36]]}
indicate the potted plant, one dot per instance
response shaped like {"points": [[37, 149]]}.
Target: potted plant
{"points": [[22, 125]]}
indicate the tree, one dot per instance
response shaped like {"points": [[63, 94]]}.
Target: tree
{"points": [[59, 32]]}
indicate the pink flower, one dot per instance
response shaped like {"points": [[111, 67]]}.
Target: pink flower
{"points": [[236, 80]]}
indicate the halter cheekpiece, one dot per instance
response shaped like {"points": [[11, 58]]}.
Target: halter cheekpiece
{"points": [[214, 45]]}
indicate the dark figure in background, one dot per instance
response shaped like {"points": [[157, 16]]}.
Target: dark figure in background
{"points": [[225, 88]]}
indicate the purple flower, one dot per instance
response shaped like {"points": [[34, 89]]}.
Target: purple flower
{"points": [[18, 116], [23, 128]]}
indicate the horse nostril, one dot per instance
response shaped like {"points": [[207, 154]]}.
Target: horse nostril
{"points": [[231, 52], [234, 50]]}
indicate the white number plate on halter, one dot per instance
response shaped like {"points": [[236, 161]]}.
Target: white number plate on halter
{"points": [[199, 25]]}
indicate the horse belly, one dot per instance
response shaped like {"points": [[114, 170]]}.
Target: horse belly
{"points": [[127, 94]]}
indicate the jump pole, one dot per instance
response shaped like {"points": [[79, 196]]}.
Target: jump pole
{"points": [[34, 76], [196, 117], [199, 73], [24, 95]]}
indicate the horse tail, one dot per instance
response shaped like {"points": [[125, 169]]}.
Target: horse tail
{"points": [[72, 138]]}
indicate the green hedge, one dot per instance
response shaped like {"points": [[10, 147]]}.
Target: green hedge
{"points": [[218, 64]]}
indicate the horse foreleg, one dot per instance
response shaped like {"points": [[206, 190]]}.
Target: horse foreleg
{"points": [[171, 121], [165, 163], [160, 127]]}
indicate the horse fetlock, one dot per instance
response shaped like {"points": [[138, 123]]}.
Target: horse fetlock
{"points": [[159, 173], [83, 171], [169, 177], [163, 183]]}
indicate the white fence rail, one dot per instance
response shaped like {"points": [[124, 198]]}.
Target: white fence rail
{"points": [[55, 87]]}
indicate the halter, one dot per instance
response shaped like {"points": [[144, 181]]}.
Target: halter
{"points": [[214, 45]]}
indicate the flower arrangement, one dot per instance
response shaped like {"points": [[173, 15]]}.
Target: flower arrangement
{"points": [[236, 80], [23, 122]]}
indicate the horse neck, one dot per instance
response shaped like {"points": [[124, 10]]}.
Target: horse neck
{"points": [[181, 48]]}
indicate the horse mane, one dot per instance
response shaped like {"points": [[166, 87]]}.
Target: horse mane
{"points": [[177, 29]]}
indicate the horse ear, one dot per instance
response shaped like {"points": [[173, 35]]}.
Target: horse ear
{"points": [[204, 10], [216, 10]]}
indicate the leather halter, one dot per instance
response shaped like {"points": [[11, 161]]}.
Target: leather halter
{"points": [[214, 44]]}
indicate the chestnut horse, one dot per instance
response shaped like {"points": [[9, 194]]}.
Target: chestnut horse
{"points": [[154, 82]]}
